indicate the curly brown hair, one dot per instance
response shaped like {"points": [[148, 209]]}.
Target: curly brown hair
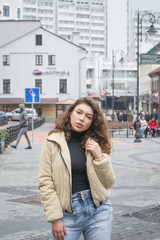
{"points": [[98, 130]]}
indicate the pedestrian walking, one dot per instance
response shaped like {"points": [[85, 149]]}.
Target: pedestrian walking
{"points": [[23, 127], [75, 174]]}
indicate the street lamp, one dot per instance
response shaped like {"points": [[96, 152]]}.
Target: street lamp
{"points": [[150, 31], [113, 68]]}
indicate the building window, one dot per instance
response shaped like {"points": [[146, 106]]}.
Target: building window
{"points": [[90, 73], [6, 86], [6, 60], [38, 40], [6, 11], [131, 74], [38, 84], [18, 13], [39, 60], [63, 86], [51, 59]]}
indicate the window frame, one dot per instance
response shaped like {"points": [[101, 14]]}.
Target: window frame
{"points": [[38, 39], [18, 12], [6, 60], [63, 86], [51, 60], [39, 85], [38, 60], [6, 11], [7, 88]]}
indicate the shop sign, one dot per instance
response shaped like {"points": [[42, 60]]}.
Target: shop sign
{"points": [[50, 72]]}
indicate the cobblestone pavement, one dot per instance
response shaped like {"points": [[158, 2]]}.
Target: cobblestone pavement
{"points": [[135, 195]]}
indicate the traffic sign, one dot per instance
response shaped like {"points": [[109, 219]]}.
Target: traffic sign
{"points": [[150, 61], [150, 56], [32, 95]]}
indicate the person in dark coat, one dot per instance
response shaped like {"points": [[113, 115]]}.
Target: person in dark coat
{"points": [[130, 117], [154, 114], [124, 116], [120, 117], [147, 117]]}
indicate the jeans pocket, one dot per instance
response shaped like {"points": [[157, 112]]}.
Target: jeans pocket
{"points": [[104, 212]]}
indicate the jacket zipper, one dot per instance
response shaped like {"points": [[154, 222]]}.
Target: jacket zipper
{"points": [[69, 181], [89, 181]]}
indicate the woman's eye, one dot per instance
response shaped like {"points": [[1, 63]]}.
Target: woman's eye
{"points": [[89, 117]]}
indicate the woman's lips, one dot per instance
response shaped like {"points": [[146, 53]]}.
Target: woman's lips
{"points": [[79, 125]]}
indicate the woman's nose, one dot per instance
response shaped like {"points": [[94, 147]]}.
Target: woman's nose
{"points": [[82, 117]]}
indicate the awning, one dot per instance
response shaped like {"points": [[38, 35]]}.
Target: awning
{"points": [[66, 101], [9, 101]]}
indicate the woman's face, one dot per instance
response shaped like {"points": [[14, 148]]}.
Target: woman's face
{"points": [[81, 118]]}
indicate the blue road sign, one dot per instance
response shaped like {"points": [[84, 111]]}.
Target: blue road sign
{"points": [[32, 95], [150, 61], [150, 56]]}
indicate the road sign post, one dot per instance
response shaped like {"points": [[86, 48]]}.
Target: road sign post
{"points": [[32, 96]]}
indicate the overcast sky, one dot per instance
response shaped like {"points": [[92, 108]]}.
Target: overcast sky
{"points": [[146, 5]]}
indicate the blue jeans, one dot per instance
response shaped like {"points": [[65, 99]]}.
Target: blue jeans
{"points": [[94, 222], [141, 131]]}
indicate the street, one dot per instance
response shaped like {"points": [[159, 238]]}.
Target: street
{"points": [[135, 195]]}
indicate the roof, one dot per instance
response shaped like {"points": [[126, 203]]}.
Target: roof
{"points": [[155, 49], [155, 72], [18, 28]]}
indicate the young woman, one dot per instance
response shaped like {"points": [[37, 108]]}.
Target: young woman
{"points": [[153, 125], [75, 174], [144, 125]]}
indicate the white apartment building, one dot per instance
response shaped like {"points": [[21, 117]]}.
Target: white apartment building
{"points": [[31, 57], [119, 27], [102, 25], [10, 9]]}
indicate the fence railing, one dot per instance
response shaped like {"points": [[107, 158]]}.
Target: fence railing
{"points": [[3, 121], [10, 133]]}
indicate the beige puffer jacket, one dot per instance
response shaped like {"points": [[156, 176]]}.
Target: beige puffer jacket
{"points": [[55, 180]]}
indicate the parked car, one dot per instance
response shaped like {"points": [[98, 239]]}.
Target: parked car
{"points": [[15, 114]]}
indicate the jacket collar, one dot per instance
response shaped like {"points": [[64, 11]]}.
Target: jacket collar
{"points": [[59, 138]]}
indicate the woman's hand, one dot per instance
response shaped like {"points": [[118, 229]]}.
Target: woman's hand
{"points": [[94, 148], [58, 230]]}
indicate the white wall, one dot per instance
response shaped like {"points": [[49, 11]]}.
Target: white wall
{"points": [[22, 64]]}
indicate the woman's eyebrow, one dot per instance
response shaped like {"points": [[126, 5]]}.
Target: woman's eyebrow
{"points": [[86, 113]]}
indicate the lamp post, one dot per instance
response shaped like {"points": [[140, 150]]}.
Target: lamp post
{"points": [[151, 31], [113, 69]]}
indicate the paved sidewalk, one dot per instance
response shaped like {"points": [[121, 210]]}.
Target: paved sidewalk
{"points": [[135, 196]]}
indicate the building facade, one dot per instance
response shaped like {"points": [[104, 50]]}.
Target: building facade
{"points": [[39, 58], [98, 22], [11, 9], [119, 82]]}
